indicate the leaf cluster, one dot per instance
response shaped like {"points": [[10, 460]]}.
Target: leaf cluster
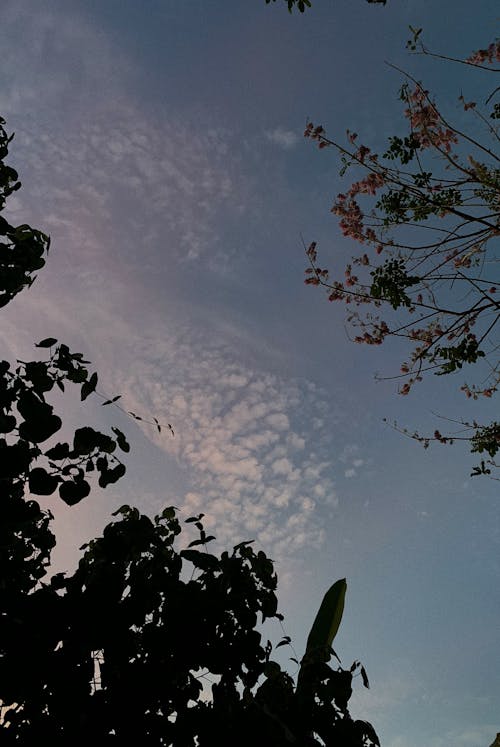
{"points": [[160, 645], [22, 248]]}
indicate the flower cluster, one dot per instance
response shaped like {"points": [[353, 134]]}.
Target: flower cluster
{"points": [[491, 54], [316, 133], [369, 185], [351, 217], [441, 287], [426, 122]]}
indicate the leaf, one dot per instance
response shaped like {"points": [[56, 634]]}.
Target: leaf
{"points": [[121, 440], [168, 513], [328, 618], [110, 401], [202, 560], [243, 544], [157, 425], [7, 423], [88, 387], [194, 543], [123, 510], [59, 451], [272, 670], [364, 677], [47, 343], [324, 629], [284, 642], [41, 482], [86, 439], [40, 428], [110, 476], [72, 491]]}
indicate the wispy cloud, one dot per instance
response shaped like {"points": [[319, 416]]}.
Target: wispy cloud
{"points": [[162, 182], [160, 185], [283, 138]]}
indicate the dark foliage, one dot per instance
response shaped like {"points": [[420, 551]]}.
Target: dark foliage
{"points": [[144, 643]]}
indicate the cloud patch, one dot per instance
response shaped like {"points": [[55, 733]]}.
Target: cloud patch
{"points": [[253, 465], [286, 139]]}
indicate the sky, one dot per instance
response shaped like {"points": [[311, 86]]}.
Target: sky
{"points": [[160, 145]]}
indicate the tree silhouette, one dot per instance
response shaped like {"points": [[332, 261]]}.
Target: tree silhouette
{"points": [[144, 643]]}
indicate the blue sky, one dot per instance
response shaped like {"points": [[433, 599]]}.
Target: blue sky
{"points": [[160, 144]]}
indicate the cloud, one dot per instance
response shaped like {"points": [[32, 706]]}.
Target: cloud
{"points": [[97, 170], [161, 185], [286, 139], [252, 465], [349, 455], [479, 735]]}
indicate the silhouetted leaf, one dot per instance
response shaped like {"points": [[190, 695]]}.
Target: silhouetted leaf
{"points": [[202, 560], [73, 491], [7, 423], [121, 440], [284, 641], [41, 482], [40, 429], [59, 451], [88, 387], [110, 476], [47, 343], [110, 401]]}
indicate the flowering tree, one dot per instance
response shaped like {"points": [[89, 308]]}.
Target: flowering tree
{"points": [[428, 269]]}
